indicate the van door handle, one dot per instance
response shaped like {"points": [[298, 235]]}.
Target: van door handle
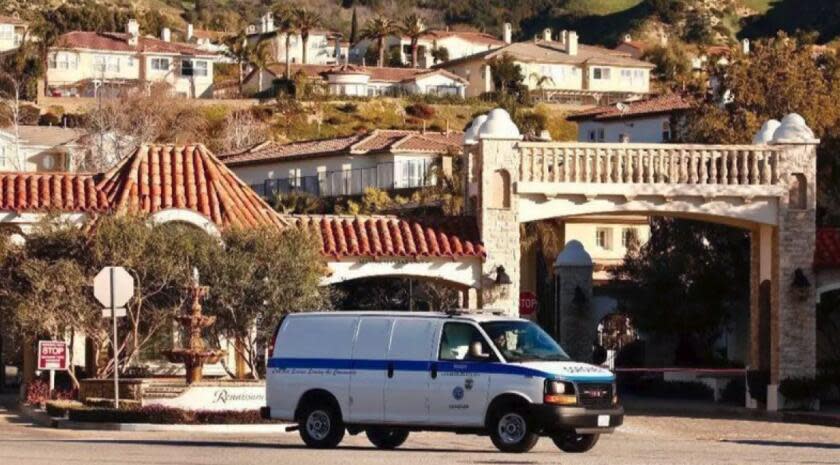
{"points": [[390, 369], [434, 371]]}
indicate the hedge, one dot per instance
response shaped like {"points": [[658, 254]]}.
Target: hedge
{"points": [[164, 415]]}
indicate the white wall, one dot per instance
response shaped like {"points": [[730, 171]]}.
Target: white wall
{"points": [[638, 80], [34, 157], [639, 129]]}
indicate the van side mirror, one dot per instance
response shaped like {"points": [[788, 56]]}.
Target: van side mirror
{"points": [[477, 351]]}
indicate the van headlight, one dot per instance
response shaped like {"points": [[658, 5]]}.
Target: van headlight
{"points": [[559, 393]]}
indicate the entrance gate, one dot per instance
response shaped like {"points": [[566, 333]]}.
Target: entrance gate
{"points": [[767, 188]]}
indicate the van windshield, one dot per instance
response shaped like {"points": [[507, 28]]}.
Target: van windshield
{"points": [[523, 341]]}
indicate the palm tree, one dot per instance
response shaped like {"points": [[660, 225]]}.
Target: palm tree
{"points": [[243, 52], [378, 29], [540, 81], [413, 28], [306, 21], [286, 22]]}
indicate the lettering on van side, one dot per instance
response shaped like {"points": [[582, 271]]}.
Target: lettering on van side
{"points": [[313, 371]]}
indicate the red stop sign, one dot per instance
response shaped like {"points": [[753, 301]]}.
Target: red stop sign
{"points": [[527, 303]]}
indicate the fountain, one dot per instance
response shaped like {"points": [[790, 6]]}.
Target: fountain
{"points": [[196, 354]]}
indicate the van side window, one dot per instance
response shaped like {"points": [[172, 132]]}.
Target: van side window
{"points": [[455, 342]]}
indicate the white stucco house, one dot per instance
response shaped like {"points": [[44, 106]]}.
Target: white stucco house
{"points": [[40, 148], [648, 120], [359, 81], [391, 160], [561, 71], [12, 31], [83, 62], [323, 47], [458, 44]]}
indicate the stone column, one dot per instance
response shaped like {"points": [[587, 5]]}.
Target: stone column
{"points": [[574, 320], [498, 162], [793, 291]]}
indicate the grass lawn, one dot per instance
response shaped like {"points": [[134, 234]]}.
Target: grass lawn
{"points": [[600, 7], [760, 6]]}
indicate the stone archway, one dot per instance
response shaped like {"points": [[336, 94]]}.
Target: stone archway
{"points": [[768, 187]]}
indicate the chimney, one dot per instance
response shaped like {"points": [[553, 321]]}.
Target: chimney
{"points": [[507, 33], [628, 38], [132, 28], [190, 32], [563, 37], [745, 46], [547, 34], [166, 35], [572, 43], [267, 23]]}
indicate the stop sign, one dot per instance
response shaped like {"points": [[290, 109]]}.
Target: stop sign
{"points": [[527, 303]]}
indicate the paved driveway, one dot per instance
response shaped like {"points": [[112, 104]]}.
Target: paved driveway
{"points": [[642, 440]]}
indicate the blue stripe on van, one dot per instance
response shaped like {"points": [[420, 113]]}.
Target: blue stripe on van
{"points": [[418, 365]]}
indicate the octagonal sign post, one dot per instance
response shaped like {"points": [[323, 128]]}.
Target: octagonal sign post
{"points": [[113, 287]]}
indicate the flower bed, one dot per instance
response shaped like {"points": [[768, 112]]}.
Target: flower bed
{"points": [[164, 415]]}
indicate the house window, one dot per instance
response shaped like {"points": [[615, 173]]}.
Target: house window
{"points": [[627, 75], [629, 237], [7, 31], [601, 135], [600, 73], [63, 60], [638, 75], [666, 131], [160, 64], [603, 238], [193, 68], [592, 135], [103, 63]]}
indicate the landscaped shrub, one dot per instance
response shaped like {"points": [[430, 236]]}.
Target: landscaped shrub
{"points": [[420, 110], [800, 388], [60, 408], [37, 392]]}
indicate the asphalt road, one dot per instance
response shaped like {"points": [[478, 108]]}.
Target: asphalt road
{"points": [[642, 440]]}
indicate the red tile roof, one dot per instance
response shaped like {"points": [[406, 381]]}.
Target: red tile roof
{"points": [[380, 140], [158, 177], [389, 236], [12, 20], [651, 106], [118, 42], [69, 192], [827, 253]]}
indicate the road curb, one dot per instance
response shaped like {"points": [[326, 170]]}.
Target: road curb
{"points": [[41, 418], [269, 428], [725, 412]]}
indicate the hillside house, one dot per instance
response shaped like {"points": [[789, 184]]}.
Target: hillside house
{"points": [[458, 44], [561, 71], [324, 47], [648, 120], [391, 160], [352, 80], [12, 31], [40, 148], [83, 63]]}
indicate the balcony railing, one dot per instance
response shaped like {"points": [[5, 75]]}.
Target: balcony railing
{"points": [[649, 164], [386, 176]]}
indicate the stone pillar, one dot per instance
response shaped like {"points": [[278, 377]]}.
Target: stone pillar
{"points": [[498, 162], [574, 319]]}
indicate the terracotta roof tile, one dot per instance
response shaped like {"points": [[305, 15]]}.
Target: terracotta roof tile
{"points": [[118, 42], [390, 236], [394, 140], [383, 74], [651, 106], [50, 191]]}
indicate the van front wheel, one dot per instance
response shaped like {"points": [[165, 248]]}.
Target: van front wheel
{"points": [[386, 438], [321, 427], [575, 443], [511, 431]]}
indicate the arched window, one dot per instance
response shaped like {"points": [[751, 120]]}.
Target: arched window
{"points": [[798, 193], [499, 195]]}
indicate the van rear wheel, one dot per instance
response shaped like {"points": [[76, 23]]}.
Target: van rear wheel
{"points": [[575, 443], [321, 426], [386, 438], [511, 431]]}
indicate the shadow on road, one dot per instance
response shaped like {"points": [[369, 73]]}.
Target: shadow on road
{"points": [[761, 442], [238, 445]]}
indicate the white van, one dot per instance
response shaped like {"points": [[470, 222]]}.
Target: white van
{"points": [[389, 373]]}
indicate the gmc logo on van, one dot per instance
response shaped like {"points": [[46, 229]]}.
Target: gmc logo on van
{"points": [[596, 393]]}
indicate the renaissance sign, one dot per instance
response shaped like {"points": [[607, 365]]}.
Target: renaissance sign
{"points": [[218, 398]]}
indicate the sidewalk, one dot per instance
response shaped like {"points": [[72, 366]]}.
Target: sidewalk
{"points": [[634, 405]]}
